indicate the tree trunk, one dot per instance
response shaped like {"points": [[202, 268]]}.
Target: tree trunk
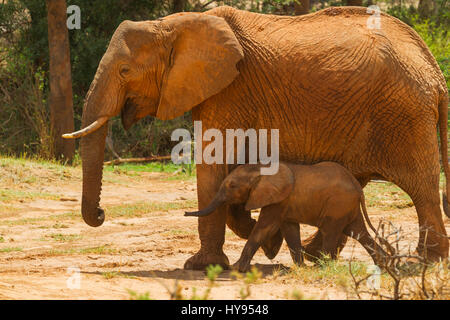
{"points": [[425, 8], [60, 99], [301, 7], [178, 5], [354, 3]]}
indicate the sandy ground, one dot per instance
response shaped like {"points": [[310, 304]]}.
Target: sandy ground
{"points": [[44, 242]]}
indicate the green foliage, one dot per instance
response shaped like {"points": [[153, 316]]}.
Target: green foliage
{"points": [[178, 171], [99, 19], [24, 77], [438, 40], [212, 272], [148, 137], [129, 168], [65, 237], [10, 249], [139, 296], [24, 114], [251, 277], [433, 28], [281, 7], [139, 209]]}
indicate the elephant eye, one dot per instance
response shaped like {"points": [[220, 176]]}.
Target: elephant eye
{"points": [[124, 70]]}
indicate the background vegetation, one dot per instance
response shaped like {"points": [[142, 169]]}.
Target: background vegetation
{"points": [[24, 62]]}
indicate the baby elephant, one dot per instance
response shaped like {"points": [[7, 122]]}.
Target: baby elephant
{"points": [[325, 195]]}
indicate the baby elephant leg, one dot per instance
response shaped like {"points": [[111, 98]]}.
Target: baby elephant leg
{"points": [[268, 224], [358, 231], [313, 245], [241, 223], [331, 241], [291, 232], [332, 230]]}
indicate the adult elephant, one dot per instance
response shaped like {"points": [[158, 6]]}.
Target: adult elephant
{"points": [[369, 99]]}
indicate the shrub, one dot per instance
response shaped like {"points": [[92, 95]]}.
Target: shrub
{"points": [[24, 115]]}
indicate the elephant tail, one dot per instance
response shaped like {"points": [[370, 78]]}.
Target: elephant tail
{"points": [[362, 200], [366, 217], [443, 118]]}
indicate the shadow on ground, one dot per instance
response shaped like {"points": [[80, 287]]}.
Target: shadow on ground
{"points": [[181, 274]]}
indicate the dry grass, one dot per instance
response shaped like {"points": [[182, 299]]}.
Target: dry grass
{"points": [[406, 275]]}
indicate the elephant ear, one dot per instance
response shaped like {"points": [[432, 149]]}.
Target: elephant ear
{"points": [[203, 62], [271, 189]]}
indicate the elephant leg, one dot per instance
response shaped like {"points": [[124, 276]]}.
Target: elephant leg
{"points": [[268, 224], [358, 231], [313, 245], [211, 228], [329, 245], [423, 188], [241, 223], [433, 242], [291, 232], [332, 232]]}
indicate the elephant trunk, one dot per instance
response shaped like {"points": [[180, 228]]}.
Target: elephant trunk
{"points": [[92, 155], [215, 203], [104, 100]]}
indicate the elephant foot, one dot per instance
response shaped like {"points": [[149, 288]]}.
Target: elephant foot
{"points": [[272, 245], [313, 246], [202, 259], [241, 267], [431, 254]]}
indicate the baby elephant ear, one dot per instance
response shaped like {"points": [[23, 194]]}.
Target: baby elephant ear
{"points": [[271, 189]]}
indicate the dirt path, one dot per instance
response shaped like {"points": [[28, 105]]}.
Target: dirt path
{"points": [[142, 245]]}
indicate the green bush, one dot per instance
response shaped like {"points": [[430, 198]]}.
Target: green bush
{"points": [[438, 40], [24, 49], [24, 115], [149, 136], [433, 29]]}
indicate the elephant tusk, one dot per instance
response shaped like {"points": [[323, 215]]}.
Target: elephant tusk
{"points": [[89, 129]]}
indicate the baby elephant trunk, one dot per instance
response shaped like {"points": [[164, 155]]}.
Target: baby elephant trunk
{"points": [[215, 203]]}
